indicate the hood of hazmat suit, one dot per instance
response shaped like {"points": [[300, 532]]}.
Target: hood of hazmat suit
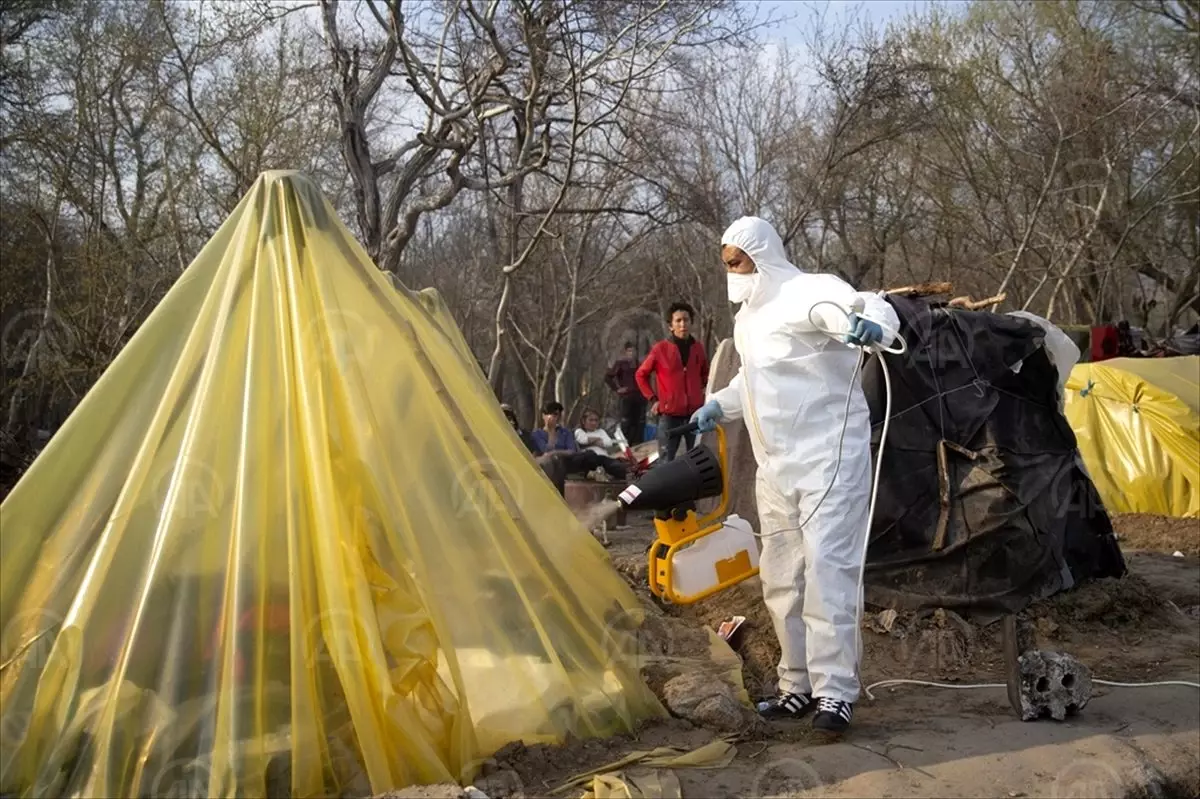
{"points": [[792, 392]]}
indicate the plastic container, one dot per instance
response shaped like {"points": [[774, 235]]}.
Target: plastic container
{"points": [[726, 556]]}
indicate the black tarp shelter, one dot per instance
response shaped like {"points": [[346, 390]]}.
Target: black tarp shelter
{"points": [[983, 504]]}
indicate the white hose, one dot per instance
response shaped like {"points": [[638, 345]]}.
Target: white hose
{"points": [[962, 686]]}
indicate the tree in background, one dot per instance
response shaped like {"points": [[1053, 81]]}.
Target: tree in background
{"points": [[561, 171]]}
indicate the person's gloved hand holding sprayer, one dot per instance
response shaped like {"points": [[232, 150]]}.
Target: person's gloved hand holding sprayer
{"points": [[798, 335]]}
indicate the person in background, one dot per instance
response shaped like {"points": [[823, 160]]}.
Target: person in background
{"points": [[595, 439], [621, 377], [552, 466], [680, 368], [554, 439], [524, 435]]}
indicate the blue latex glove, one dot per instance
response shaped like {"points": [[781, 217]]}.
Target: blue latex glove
{"points": [[863, 332], [708, 416]]}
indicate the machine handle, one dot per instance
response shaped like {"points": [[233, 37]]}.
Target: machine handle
{"points": [[683, 430], [722, 458]]}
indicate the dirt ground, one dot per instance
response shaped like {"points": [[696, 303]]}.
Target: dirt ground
{"points": [[924, 741], [1138, 531]]}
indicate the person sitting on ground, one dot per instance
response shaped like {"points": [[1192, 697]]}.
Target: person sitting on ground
{"points": [[552, 465], [554, 439], [524, 435], [594, 438]]}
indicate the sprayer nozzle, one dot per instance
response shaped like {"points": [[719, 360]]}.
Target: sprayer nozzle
{"points": [[694, 476]]}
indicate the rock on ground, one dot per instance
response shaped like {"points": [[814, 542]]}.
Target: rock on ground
{"points": [[1053, 684], [707, 702]]}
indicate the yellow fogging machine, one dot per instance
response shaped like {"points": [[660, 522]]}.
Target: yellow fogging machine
{"points": [[693, 557]]}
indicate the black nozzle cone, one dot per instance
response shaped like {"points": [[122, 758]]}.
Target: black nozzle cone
{"points": [[695, 476]]}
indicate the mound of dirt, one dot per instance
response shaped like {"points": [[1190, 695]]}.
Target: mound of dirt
{"points": [[522, 769], [707, 702], [668, 647], [756, 643], [1112, 603], [1157, 533]]}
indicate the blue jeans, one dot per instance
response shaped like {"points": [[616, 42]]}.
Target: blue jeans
{"points": [[669, 445]]}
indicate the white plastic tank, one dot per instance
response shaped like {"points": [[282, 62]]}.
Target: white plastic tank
{"points": [[729, 552]]}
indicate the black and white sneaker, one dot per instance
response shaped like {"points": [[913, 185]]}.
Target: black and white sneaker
{"points": [[833, 715], [786, 705]]}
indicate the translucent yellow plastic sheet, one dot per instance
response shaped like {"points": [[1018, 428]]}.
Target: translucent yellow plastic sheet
{"points": [[289, 544], [645, 784], [610, 779], [1137, 422]]}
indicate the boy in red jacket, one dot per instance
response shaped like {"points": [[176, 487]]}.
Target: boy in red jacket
{"points": [[680, 367]]}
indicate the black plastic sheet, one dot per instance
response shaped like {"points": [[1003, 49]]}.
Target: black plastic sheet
{"points": [[983, 506]]}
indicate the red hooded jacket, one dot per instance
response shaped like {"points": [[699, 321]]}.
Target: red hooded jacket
{"points": [[680, 387]]}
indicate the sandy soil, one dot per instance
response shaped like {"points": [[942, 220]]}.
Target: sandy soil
{"points": [[921, 741], [1157, 533]]}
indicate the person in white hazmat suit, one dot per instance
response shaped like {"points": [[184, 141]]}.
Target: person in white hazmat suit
{"points": [[791, 391]]}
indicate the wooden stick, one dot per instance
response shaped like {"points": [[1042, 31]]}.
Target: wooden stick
{"points": [[974, 305], [922, 289]]}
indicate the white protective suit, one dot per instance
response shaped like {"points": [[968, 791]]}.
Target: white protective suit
{"points": [[791, 391]]}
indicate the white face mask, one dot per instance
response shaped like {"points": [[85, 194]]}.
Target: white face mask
{"points": [[741, 286]]}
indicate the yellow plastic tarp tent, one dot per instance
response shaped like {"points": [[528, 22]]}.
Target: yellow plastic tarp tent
{"points": [[1137, 421], [289, 545]]}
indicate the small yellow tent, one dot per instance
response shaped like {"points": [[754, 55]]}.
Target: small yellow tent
{"points": [[288, 544], [1137, 421]]}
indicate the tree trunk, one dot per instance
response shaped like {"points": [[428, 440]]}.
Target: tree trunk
{"points": [[1033, 216], [31, 357]]}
